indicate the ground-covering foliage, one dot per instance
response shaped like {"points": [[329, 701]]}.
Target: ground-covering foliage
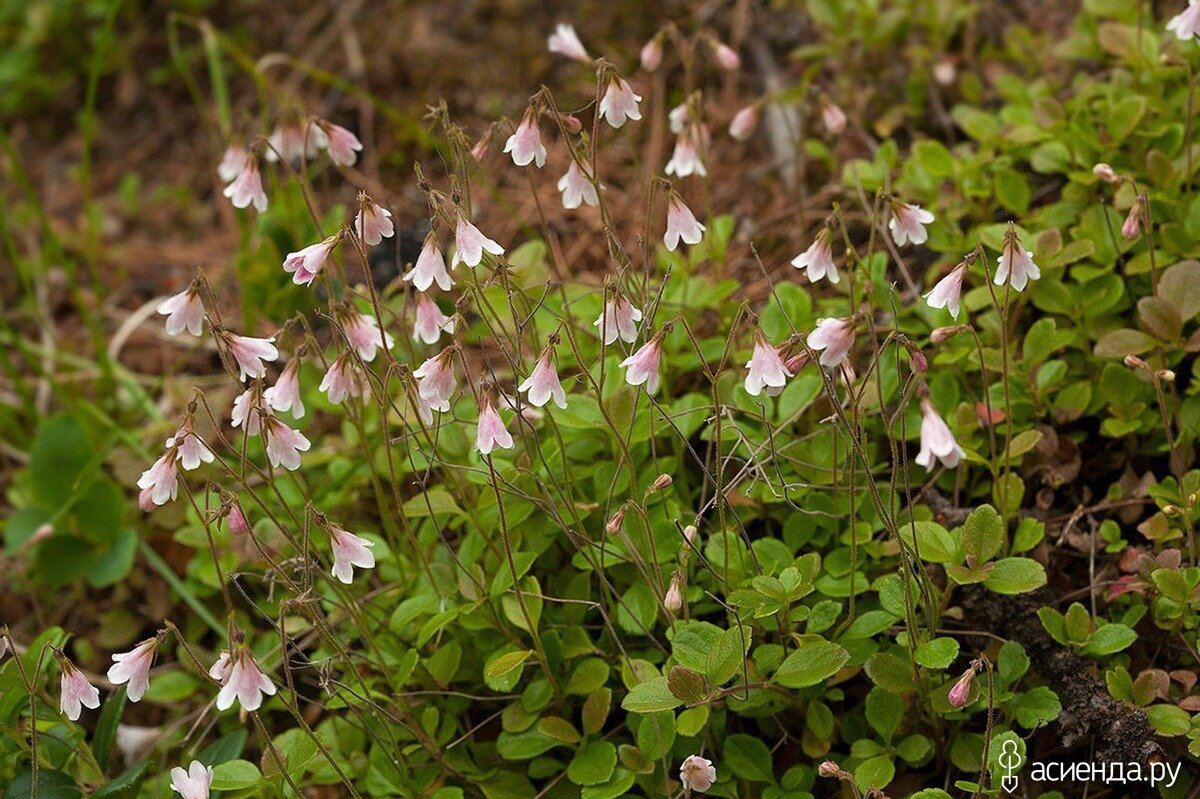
{"points": [[780, 400]]}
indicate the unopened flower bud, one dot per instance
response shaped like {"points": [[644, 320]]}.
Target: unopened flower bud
{"points": [[614, 524], [571, 123], [673, 601], [1105, 173], [1165, 374], [829, 769], [480, 150], [1132, 226], [237, 520], [652, 53], [944, 71], [942, 334], [744, 122], [1134, 362], [726, 56], [920, 364], [660, 482], [962, 689], [833, 117], [797, 362], [690, 532]]}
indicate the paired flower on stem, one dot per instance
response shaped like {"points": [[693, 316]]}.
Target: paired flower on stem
{"points": [[642, 367], [240, 679], [817, 260]]}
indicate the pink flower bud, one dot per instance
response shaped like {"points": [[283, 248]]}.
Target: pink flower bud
{"points": [[1134, 362], [920, 364], [571, 123], [673, 601], [1105, 173], [833, 118], [613, 526], [690, 532], [652, 53], [961, 691], [1132, 227], [236, 520], [943, 334], [726, 56], [829, 769], [744, 123], [660, 482]]}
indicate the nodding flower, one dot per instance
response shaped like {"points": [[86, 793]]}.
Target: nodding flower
{"points": [[947, 292], [619, 102], [342, 380], [285, 394], [373, 223], [1015, 265], [618, 320], [133, 667], [283, 444], [685, 160], [577, 187], [74, 689], [682, 224], [431, 322], [525, 144], [937, 442], [1131, 228], [193, 783], [543, 383], [565, 41], [430, 267], [470, 245], [190, 450], [726, 56], [767, 369], [490, 431], [249, 353], [697, 773], [247, 189], [364, 334], [294, 142], [184, 311], [240, 679], [817, 260], [233, 161], [160, 483], [349, 550], [833, 338], [436, 381], [908, 223], [304, 265], [1186, 24], [642, 367], [342, 145]]}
